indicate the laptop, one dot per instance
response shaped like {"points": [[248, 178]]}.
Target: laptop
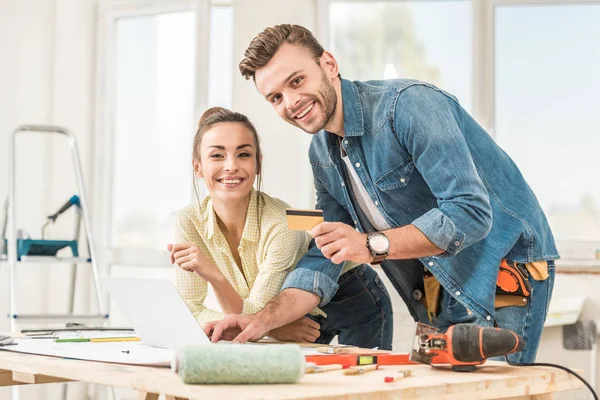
{"points": [[156, 312]]}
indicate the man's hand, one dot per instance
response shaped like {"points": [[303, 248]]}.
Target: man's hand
{"points": [[189, 258], [340, 242], [300, 331], [237, 328]]}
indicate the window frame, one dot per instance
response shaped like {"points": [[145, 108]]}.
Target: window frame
{"points": [[104, 122], [487, 50]]}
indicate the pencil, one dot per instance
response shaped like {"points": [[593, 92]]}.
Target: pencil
{"points": [[117, 339]]}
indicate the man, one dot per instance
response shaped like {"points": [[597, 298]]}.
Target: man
{"points": [[411, 181]]}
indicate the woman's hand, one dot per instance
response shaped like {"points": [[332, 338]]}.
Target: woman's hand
{"points": [[299, 331], [189, 258]]}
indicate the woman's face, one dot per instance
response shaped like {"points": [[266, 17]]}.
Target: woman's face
{"points": [[227, 161]]}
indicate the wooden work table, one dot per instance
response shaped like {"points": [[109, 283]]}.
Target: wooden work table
{"points": [[493, 381]]}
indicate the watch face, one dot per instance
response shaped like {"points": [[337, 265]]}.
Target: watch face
{"points": [[379, 243]]}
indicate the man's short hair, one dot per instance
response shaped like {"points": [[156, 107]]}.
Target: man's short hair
{"points": [[264, 46]]}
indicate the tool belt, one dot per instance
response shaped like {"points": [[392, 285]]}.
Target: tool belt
{"points": [[513, 287]]}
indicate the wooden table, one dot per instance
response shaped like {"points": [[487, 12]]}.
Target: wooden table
{"points": [[493, 381]]}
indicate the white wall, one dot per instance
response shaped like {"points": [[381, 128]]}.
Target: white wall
{"points": [[46, 77], [287, 173]]}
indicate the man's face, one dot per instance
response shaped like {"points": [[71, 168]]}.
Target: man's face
{"points": [[298, 88]]}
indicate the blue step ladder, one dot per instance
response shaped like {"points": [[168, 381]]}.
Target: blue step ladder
{"points": [[18, 250]]}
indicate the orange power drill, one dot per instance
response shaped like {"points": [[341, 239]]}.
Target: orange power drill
{"points": [[464, 345]]}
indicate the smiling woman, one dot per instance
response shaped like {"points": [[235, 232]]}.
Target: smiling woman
{"points": [[236, 238]]}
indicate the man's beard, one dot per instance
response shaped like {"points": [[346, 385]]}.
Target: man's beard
{"points": [[327, 100]]}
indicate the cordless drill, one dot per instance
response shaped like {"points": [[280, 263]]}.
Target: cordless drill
{"points": [[464, 345]]}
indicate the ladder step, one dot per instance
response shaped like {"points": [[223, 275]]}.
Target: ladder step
{"points": [[59, 317], [54, 260]]}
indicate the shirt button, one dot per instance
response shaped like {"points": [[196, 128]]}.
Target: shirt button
{"points": [[402, 180], [343, 184], [355, 222], [345, 142], [457, 293], [488, 318], [430, 263], [457, 243], [417, 294], [376, 203], [357, 165]]}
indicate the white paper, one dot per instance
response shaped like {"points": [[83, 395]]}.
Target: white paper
{"points": [[113, 352]]}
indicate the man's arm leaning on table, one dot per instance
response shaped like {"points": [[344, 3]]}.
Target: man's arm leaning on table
{"points": [[313, 283]]}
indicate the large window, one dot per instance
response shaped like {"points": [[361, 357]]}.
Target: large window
{"points": [[528, 70], [153, 126], [152, 92], [547, 97], [425, 40]]}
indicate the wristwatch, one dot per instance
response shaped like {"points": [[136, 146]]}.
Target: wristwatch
{"points": [[379, 246]]}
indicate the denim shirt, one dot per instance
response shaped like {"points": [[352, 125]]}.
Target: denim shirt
{"points": [[425, 161]]}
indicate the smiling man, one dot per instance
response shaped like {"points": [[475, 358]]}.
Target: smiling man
{"points": [[406, 179]]}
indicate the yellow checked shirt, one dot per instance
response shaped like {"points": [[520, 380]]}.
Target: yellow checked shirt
{"points": [[268, 250]]}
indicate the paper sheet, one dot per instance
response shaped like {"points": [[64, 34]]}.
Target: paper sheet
{"points": [[113, 352]]}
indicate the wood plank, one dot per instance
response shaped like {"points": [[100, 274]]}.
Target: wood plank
{"points": [[6, 378], [147, 396], [26, 377], [545, 396], [494, 380], [175, 398]]}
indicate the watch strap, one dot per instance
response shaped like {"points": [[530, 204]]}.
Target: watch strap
{"points": [[378, 259]]}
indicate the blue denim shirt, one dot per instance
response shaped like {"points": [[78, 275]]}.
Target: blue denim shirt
{"points": [[425, 161]]}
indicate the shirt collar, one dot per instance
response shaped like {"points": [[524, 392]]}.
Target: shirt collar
{"points": [[251, 226], [353, 112]]}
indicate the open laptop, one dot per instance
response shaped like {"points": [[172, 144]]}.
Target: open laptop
{"points": [[156, 312]]}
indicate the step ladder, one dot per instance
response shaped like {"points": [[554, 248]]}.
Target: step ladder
{"points": [[14, 254]]}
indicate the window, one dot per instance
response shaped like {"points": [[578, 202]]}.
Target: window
{"points": [[511, 64], [221, 57], [153, 127], [425, 40], [547, 92], [148, 104]]}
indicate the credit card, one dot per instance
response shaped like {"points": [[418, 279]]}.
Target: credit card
{"points": [[303, 220]]}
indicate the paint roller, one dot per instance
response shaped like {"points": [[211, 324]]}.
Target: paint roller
{"points": [[225, 363]]}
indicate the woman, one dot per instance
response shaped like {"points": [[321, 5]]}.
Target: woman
{"points": [[237, 241]]}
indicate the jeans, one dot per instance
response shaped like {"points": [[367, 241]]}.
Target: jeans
{"points": [[527, 321], [360, 312]]}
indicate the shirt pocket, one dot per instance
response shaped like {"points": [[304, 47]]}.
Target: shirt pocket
{"points": [[398, 177]]}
